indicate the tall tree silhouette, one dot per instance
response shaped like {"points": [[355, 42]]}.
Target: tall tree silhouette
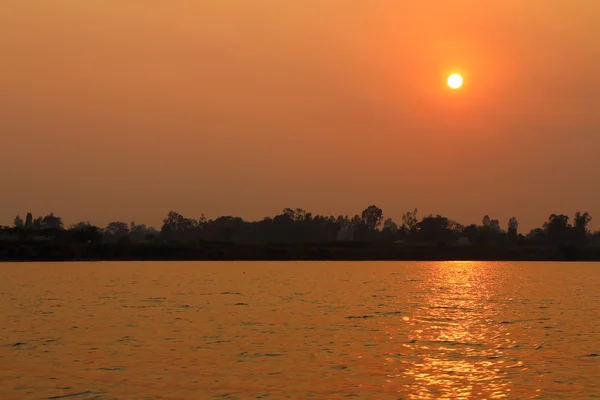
{"points": [[580, 227], [18, 222], [558, 228], [52, 222], [513, 228], [411, 220], [29, 221], [117, 228], [434, 229], [372, 217]]}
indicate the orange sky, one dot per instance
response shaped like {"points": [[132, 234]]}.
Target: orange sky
{"points": [[126, 109]]}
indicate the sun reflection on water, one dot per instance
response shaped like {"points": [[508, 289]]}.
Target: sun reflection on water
{"points": [[453, 331]]}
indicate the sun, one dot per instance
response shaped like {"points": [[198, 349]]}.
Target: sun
{"points": [[455, 81]]}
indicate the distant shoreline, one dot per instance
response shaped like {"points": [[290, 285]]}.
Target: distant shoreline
{"points": [[337, 251]]}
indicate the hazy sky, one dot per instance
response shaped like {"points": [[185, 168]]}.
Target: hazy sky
{"points": [[126, 109]]}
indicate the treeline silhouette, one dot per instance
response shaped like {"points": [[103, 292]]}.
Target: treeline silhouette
{"points": [[298, 234]]}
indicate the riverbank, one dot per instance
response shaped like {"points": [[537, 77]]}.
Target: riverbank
{"points": [[336, 251]]}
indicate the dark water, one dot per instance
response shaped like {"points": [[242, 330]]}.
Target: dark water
{"points": [[447, 330]]}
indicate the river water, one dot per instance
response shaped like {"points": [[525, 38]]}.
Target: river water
{"points": [[287, 330]]}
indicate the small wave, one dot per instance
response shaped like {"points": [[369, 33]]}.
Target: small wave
{"points": [[454, 343], [430, 319], [246, 354], [340, 368], [79, 394], [450, 308], [524, 320]]}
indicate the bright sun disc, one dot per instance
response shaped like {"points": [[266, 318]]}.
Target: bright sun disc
{"points": [[455, 81]]}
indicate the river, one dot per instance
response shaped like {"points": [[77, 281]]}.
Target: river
{"points": [[295, 330]]}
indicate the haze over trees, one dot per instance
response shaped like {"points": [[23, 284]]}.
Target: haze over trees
{"points": [[300, 226]]}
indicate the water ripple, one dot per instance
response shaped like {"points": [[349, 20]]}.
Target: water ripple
{"points": [[301, 330]]}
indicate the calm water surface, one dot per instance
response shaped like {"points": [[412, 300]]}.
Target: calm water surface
{"points": [[447, 330]]}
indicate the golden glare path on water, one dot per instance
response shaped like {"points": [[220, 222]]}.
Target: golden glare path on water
{"points": [[461, 337], [410, 330]]}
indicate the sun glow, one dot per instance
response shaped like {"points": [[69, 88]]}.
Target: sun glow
{"points": [[455, 81]]}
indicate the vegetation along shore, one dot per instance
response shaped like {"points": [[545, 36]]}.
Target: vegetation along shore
{"points": [[296, 234]]}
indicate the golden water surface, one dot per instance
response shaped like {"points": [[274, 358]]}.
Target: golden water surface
{"points": [[321, 330]]}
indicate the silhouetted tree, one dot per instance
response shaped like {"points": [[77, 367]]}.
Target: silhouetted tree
{"points": [[359, 228], [297, 214], [18, 222], [513, 227], [537, 236], [29, 221], [558, 228], [455, 227], [117, 229], [80, 226], [283, 228], [471, 232], [404, 233], [495, 226], [486, 221], [595, 239], [372, 217], [390, 230], [140, 232], [85, 232], [346, 230], [390, 226], [324, 229], [52, 222], [224, 228], [410, 220], [435, 229], [133, 227], [580, 227], [489, 231], [37, 223], [178, 228]]}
